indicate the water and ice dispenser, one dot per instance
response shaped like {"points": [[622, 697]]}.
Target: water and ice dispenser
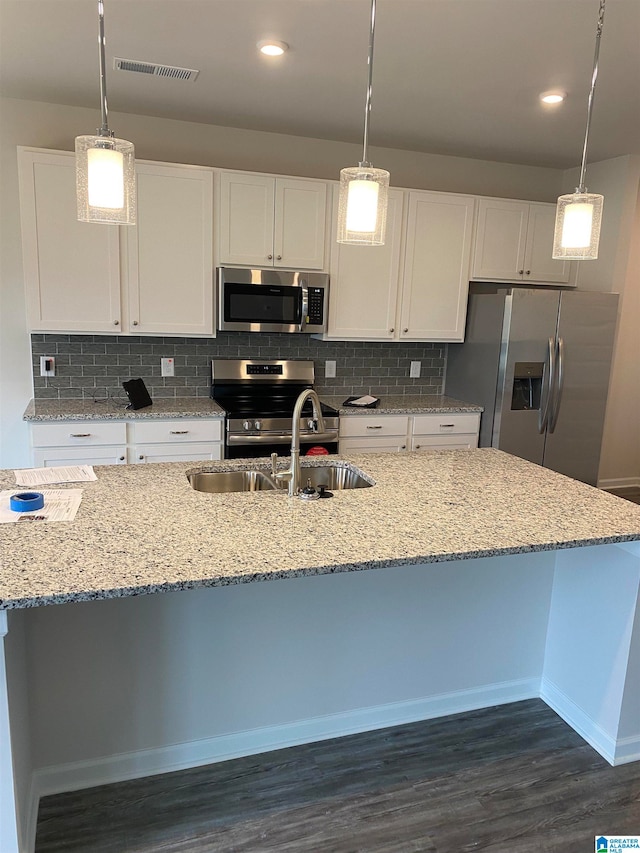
{"points": [[527, 384]]}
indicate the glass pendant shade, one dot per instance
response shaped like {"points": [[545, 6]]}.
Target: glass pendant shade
{"points": [[362, 206], [577, 232], [105, 180]]}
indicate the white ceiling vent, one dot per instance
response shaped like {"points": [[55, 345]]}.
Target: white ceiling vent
{"points": [[154, 69]]}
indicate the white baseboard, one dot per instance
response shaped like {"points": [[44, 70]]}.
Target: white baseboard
{"points": [[620, 483], [148, 762], [616, 752]]}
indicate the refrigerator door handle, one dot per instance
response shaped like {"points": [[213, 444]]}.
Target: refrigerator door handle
{"points": [[547, 379], [559, 385]]}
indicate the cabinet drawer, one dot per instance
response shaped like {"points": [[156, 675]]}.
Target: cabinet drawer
{"points": [[373, 426], [78, 433], [459, 441], [445, 424], [177, 430]]}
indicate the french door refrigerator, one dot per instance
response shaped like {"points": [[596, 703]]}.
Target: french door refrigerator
{"points": [[538, 361]]}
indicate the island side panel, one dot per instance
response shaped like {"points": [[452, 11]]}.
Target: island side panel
{"points": [[593, 647], [8, 802], [142, 685]]}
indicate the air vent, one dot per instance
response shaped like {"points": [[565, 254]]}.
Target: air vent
{"points": [[154, 69]]}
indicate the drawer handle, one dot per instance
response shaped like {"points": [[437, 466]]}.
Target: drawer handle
{"points": [[178, 431], [79, 435], [379, 426], [447, 426]]}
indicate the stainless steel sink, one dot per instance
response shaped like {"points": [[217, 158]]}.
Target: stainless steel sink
{"points": [[332, 477], [243, 480]]}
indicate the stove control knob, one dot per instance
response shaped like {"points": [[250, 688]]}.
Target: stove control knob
{"points": [[246, 425], [257, 425]]}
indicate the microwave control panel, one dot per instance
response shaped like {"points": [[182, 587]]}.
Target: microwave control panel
{"points": [[316, 306]]}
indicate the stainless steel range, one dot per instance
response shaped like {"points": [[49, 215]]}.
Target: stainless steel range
{"points": [[258, 397]]}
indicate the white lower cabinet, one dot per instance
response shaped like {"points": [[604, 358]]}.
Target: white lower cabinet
{"points": [[97, 442], [395, 433], [445, 432], [181, 440]]}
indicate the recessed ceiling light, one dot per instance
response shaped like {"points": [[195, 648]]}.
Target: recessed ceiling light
{"points": [[552, 97], [272, 48]]}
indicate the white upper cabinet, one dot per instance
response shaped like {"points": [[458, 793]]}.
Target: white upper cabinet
{"points": [[415, 286], [436, 267], [73, 269], [363, 293], [170, 251], [266, 221], [514, 242]]}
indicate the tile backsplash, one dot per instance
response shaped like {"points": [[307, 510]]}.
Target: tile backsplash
{"points": [[94, 366]]}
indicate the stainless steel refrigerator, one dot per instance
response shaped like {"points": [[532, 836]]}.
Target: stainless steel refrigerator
{"points": [[538, 361]]}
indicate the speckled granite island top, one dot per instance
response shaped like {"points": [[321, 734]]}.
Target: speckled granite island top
{"points": [[42, 411], [142, 529]]}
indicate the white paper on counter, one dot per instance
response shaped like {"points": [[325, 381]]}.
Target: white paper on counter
{"points": [[363, 401], [59, 505], [57, 474]]}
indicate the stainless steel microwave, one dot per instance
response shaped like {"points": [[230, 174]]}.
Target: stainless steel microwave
{"points": [[272, 300]]}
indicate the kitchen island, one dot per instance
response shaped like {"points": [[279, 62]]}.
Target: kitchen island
{"points": [[459, 580]]}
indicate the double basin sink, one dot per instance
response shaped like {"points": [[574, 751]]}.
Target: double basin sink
{"points": [[333, 477]]}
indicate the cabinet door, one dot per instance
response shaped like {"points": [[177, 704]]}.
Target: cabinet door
{"points": [[436, 271], [71, 268], [170, 252], [245, 217], [364, 281], [300, 224], [500, 242], [539, 266]]}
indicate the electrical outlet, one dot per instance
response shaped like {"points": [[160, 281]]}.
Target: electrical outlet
{"points": [[330, 369], [414, 370], [167, 367], [47, 365]]}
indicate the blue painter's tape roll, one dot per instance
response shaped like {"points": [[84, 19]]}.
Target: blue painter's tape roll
{"points": [[26, 501]]}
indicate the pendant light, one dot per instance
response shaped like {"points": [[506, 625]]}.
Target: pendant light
{"points": [[362, 202], [105, 172], [579, 216]]}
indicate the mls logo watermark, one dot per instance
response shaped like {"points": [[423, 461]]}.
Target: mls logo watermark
{"points": [[616, 843]]}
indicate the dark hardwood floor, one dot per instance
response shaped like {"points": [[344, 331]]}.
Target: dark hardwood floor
{"points": [[629, 494], [510, 779]]}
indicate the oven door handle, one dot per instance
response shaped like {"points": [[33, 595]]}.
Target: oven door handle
{"points": [[305, 304], [281, 438]]}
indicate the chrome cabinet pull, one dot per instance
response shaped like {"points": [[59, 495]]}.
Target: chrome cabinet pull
{"points": [[178, 431], [378, 426], [447, 426], [270, 257], [79, 435], [135, 322], [116, 322], [278, 257]]}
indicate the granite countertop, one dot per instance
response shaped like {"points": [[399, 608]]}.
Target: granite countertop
{"points": [[42, 411], [408, 404], [142, 529]]}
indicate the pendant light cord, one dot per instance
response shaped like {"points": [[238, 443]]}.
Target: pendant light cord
{"points": [[104, 130], [581, 187], [367, 109]]}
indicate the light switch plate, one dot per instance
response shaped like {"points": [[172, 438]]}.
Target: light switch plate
{"points": [[330, 369], [414, 370], [167, 367]]}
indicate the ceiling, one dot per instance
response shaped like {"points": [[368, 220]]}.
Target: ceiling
{"points": [[458, 77]]}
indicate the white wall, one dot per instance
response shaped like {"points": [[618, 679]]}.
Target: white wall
{"points": [[55, 126], [617, 270]]}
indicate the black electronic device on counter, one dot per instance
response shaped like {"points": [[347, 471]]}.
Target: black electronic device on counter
{"points": [[137, 394]]}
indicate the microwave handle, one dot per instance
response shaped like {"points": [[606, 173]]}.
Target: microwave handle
{"points": [[305, 304]]}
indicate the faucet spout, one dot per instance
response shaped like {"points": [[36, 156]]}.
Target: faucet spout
{"points": [[292, 475]]}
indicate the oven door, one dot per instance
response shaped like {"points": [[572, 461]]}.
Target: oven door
{"points": [[282, 448]]}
